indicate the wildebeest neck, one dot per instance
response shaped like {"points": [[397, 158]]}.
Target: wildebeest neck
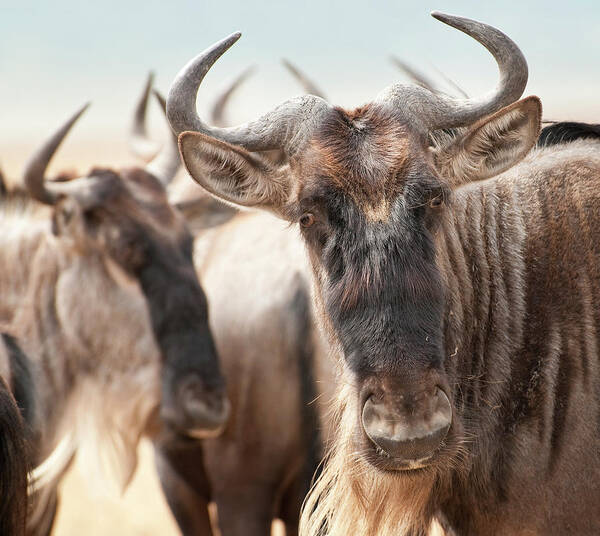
{"points": [[175, 300], [21, 237]]}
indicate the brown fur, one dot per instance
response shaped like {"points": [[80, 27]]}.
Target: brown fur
{"points": [[255, 273], [506, 277], [13, 465], [509, 255], [81, 282], [363, 153]]}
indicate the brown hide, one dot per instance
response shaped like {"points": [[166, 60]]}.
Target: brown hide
{"points": [[254, 271]]}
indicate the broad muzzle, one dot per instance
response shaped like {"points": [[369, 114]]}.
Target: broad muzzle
{"points": [[194, 409], [407, 428]]}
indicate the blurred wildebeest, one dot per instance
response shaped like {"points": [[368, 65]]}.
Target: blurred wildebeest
{"points": [[108, 335], [3, 188], [13, 460], [255, 273], [561, 132], [423, 80], [458, 278]]}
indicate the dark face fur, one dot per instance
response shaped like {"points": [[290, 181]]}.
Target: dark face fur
{"points": [[369, 219], [366, 188], [135, 225]]}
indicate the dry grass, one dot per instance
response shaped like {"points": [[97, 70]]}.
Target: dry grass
{"points": [[142, 511]]}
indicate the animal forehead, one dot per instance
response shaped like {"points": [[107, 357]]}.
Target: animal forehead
{"points": [[136, 195], [365, 153]]}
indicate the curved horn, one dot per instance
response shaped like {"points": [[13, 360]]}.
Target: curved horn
{"points": [[140, 143], [217, 115], [36, 166], [165, 165], [308, 85], [440, 111], [283, 127]]}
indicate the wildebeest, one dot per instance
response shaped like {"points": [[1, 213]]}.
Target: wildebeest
{"points": [[458, 279], [253, 269], [3, 188], [107, 329], [13, 461], [255, 273]]}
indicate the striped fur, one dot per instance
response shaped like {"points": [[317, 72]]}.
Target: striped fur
{"points": [[457, 267], [521, 269]]}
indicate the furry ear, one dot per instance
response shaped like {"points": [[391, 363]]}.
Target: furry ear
{"points": [[233, 174], [493, 144]]}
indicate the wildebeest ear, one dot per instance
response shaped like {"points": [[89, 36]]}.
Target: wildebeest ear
{"points": [[233, 174], [67, 218], [493, 144]]}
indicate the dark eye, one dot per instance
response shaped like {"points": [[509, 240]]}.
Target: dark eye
{"points": [[307, 219], [436, 202]]}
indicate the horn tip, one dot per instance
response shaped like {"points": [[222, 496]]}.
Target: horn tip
{"points": [[451, 20], [289, 66], [438, 15], [248, 71], [228, 41], [84, 108], [160, 98]]}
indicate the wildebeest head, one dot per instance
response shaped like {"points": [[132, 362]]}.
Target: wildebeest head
{"points": [[122, 221], [369, 188]]}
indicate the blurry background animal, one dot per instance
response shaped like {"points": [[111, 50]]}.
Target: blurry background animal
{"points": [[104, 322], [254, 272]]}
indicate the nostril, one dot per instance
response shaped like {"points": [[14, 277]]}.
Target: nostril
{"points": [[408, 435]]}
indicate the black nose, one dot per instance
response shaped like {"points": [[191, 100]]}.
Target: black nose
{"points": [[408, 432]]}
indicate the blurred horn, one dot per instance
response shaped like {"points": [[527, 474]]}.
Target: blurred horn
{"points": [[217, 115], [308, 85], [35, 170], [165, 165], [140, 143]]}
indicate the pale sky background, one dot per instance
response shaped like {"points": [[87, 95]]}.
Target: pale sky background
{"points": [[55, 55]]}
